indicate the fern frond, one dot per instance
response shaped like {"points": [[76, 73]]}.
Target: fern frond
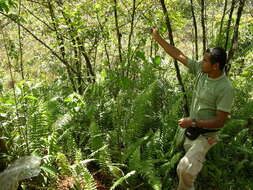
{"points": [[100, 147], [145, 105], [38, 123], [63, 164], [62, 121], [83, 174], [145, 167], [122, 179]]}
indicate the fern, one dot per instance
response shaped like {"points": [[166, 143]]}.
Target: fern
{"points": [[122, 179], [38, 126], [96, 138], [103, 155], [144, 107], [145, 167], [63, 164], [83, 178]]}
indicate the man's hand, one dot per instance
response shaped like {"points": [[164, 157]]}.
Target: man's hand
{"points": [[185, 122], [154, 32]]}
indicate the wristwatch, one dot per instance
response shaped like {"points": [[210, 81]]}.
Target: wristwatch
{"points": [[194, 123]]}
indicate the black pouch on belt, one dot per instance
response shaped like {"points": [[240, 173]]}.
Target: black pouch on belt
{"points": [[192, 132]]}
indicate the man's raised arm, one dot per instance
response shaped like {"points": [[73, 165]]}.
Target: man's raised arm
{"points": [[171, 50]]}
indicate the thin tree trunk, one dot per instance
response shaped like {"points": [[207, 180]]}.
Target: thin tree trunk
{"points": [[60, 42], [235, 35], [222, 22], [195, 31], [119, 35], [105, 44], [77, 43], [229, 23], [77, 60], [203, 24], [20, 45], [88, 62], [14, 92], [186, 110], [40, 41], [130, 37], [151, 47]]}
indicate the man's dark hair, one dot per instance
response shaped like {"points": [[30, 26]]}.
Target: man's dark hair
{"points": [[218, 55]]}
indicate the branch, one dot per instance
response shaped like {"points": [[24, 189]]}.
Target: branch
{"points": [[39, 40], [167, 19]]}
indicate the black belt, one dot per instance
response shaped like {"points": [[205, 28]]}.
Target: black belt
{"points": [[203, 131], [193, 132]]}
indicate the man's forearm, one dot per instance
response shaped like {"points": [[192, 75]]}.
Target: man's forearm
{"points": [[210, 123], [171, 50]]}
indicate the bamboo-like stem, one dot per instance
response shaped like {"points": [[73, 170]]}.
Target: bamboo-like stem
{"points": [[117, 30], [13, 89], [40, 41], [235, 35], [130, 37], [203, 25], [195, 30], [222, 22], [229, 23], [185, 106]]}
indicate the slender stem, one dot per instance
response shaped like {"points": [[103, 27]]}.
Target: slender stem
{"points": [[20, 44], [13, 88], [186, 110], [195, 30], [39, 40], [130, 37], [117, 29], [235, 35], [229, 23], [203, 24], [222, 22]]}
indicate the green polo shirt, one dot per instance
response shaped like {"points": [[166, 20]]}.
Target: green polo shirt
{"points": [[209, 95]]}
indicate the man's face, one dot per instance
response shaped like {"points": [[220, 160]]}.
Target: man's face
{"points": [[206, 65]]}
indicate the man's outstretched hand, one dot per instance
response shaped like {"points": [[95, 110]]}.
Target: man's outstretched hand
{"points": [[154, 32]]}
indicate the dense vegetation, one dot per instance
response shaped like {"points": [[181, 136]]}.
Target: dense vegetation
{"points": [[85, 87]]}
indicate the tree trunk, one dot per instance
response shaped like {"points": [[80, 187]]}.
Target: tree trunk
{"points": [[130, 38], [60, 41], [195, 31], [234, 42], [105, 43], [229, 23], [20, 45], [78, 45], [40, 41], [222, 22], [186, 110], [119, 35], [203, 24]]}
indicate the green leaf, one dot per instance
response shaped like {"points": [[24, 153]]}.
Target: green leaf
{"points": [[157, 60], [49, 169], [119, 181], [3, 6], [141, 55], [30, 97]]}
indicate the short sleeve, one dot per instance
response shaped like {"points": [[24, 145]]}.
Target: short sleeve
{"points": [[225, 99], [194, 66]]}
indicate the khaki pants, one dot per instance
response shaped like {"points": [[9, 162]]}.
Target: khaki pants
{"points": [[192, 162]]}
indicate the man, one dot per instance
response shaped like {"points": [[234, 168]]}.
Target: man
{"points": [[210, 107]]}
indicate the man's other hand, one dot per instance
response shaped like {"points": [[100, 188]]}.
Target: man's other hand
{"points": [[185, 122]]}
